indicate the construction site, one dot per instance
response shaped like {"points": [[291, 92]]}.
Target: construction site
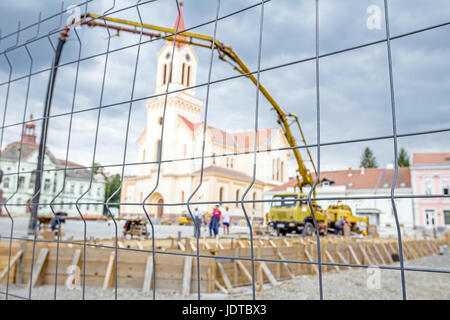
{"points": [[229, 181]]}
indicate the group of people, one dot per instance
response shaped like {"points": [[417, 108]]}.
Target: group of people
{"points": [[213, 219]]}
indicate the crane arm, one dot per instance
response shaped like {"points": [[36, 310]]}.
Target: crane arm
{"points": [[226, 53]]}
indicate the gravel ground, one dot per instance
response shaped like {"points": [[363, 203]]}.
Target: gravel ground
{"points": [[342, 285]]}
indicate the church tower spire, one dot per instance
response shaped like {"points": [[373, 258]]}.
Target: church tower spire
{"points": [[184, 70]]}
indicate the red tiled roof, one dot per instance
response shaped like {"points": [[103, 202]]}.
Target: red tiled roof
{"points": [[190, 124], [70, 163], [354, 179], [431, 158]]}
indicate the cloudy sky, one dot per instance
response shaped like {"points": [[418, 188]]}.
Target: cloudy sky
{"points": [[354, 86]]}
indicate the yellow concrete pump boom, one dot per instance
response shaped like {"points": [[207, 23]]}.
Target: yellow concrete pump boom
{"points": [[226, 53]]}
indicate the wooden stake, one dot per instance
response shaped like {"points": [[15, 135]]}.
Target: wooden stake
{"points": [[11, 264], [269, 274], [148, 276], [42, 258], [109, 271], [187, 276]]}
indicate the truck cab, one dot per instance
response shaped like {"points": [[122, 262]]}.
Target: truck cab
{"points": [[290, 212]]}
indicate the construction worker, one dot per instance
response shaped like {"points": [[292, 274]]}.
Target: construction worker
{"points": [[339, 226], [226, 221], [215, 220], [197, 222]]}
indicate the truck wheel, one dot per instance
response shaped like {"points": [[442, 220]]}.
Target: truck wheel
{"points": [[308, 229]]}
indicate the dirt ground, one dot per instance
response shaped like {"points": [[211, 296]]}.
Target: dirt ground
{"points": [[340, 285]]}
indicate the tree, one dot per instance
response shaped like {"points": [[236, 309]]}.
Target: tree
{"points": [[368, 159], [403, 158], [112, 184]]}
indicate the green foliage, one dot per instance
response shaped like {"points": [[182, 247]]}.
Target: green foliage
{"points": [[368, 159], [403, 158], [112, 184]]}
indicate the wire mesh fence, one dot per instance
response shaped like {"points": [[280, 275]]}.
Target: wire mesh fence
{"points": [[176, 171]]}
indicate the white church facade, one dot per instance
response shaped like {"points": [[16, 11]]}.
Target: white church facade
{"points": [[224, 179]]}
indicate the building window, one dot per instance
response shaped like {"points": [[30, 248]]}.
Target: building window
{"points": [[182, 196], [447, 216], [214, 158], [158, 150], [278, 169], [182, 73], [21, 182], [428, 187], [164, 74], [160, 121], [221, 194], [32, 180], [47, 185], [238, 197], [445, 187], [6, 183], [429, 217], [188, 81], [254, 198], [72, 188], [282, 171], [273, 169]]}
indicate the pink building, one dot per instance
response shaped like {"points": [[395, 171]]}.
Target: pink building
{"points": [[430, 175]]}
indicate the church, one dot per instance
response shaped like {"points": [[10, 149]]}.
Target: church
{"points": [[224, 178]]}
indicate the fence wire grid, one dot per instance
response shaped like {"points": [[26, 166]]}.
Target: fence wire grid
{"points": [[17, 42]]}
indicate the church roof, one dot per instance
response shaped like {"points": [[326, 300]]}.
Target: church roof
{"points": [[180, 24], [236, 140]]}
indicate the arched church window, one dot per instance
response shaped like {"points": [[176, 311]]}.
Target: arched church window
{"points": [[188, 57], [164, 74], [182, 73], [158, 150], [188, 81], [221, 194]]}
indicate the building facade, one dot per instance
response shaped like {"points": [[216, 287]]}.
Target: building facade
{"points": [[365, 183], [18, 183], [223, 178], [430, 174]]}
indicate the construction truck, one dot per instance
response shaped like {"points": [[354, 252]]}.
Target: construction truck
{"points": [[292, 212]]}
